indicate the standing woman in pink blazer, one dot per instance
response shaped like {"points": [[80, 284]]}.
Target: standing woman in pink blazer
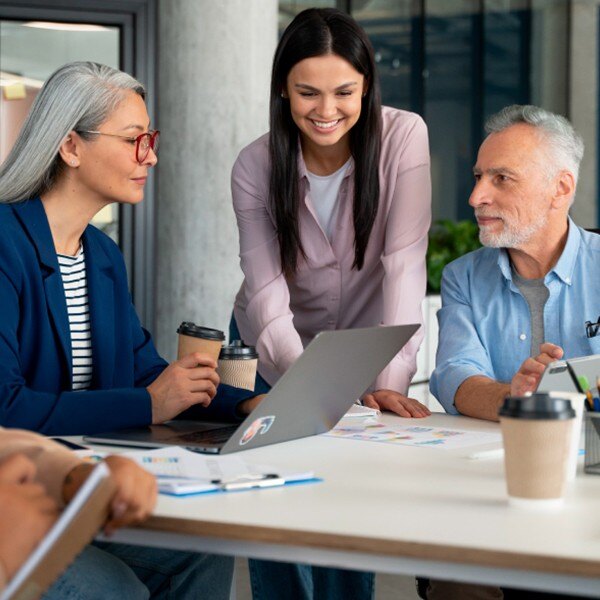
{"points": [[333, 207]]}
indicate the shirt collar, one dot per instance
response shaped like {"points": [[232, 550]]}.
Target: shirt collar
{"points": [[303, 172], [564, 266]]}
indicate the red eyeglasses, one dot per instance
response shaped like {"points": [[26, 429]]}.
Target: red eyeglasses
{"points": [[143, 142]]}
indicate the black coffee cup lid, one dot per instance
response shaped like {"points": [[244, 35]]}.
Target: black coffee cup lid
{"points": [[537, 407], [193, 330], [237, 350]]}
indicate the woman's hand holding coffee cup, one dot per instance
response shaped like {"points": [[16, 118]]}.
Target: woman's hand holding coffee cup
{"points": [[530, 372], [188, 381]]}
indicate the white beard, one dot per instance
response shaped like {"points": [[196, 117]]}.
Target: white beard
{"points": [[511, 236]]}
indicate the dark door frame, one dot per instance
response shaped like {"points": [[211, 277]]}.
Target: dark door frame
{"points": [[137, 20]]}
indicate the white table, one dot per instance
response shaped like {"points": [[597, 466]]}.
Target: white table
{"points": [[394, 509]]}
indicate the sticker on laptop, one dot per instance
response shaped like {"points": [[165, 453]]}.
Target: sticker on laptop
{"points": [[258, 427]]}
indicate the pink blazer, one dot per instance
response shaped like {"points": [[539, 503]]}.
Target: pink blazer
{"points": [[280, 316]]}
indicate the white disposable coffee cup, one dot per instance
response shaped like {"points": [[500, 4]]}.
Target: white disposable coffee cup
{"points": [[578, 404], [537, 432]]}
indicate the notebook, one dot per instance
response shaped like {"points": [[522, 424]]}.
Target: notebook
{"points": [[74, 529]]}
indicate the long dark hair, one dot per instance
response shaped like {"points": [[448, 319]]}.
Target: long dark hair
{"points": [[317, 32]]}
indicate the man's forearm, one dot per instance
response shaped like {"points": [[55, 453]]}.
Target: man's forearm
{"points": [[481, 397]]}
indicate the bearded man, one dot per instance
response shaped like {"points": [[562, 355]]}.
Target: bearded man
{"points": [[523, 300]]}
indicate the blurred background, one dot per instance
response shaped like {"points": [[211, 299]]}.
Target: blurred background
{"points": [[206, 66]]}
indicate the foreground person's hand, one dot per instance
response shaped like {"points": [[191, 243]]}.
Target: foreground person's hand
{"points": [[136, 493], [27, 512]]}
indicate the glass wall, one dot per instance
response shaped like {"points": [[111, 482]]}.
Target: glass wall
{"points": [[29, 52], [456, 62]]}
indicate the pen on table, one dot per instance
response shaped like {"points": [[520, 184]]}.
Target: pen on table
{"points": [[235, 486], [249, 482], [485, 454]]}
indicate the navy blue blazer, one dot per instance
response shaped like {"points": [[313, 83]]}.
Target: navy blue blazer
{"points": [[35, 346]]}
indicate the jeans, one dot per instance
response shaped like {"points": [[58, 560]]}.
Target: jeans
{"points": [[120, 571], [275, 580]]}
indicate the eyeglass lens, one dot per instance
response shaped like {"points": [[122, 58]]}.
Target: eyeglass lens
{"points": [[145, 142]]}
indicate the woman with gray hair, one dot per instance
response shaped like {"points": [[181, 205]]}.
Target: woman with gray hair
{"points": [[74, 358]]}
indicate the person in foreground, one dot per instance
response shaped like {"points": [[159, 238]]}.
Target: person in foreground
{"points": [[333, 210], [522, 301], [74, 358], [37, 478]]}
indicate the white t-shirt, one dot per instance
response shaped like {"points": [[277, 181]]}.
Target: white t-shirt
{"points": [[324, 190]]}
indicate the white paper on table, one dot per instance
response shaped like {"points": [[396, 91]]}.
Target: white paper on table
{"points": [[415, 435], [357, 411], [180, 471]]}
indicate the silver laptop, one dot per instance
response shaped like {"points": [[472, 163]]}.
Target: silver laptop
{"points": [[310, 398]]}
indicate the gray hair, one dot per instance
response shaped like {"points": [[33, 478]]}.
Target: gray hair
{"points": [[564, 145], [78, 96]]}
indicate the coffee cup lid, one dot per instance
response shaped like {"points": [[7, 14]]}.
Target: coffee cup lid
{"points": [[237, 350], [193, 330], [537, 407]]}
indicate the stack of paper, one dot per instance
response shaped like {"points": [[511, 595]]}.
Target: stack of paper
{"points": [[180, 472]]}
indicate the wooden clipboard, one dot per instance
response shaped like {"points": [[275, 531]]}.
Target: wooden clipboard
{"points": [[74, 529]]}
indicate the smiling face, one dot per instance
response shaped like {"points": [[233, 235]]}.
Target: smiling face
{"points": [[325, 94], [513, 193], [108, 168]]}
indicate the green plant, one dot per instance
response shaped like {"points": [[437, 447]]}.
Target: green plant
{"points": [[448, 240]]}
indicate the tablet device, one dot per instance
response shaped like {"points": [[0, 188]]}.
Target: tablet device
{"points": [[556, 377]]}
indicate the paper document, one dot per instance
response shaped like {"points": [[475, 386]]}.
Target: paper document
{"points": [[360, 411], [75, 527], [414, 435], [181, 472]]}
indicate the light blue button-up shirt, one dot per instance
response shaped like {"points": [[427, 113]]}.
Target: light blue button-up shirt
{"points": [[485, 324]]}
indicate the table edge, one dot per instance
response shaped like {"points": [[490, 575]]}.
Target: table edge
{"points": [[379, 546]]}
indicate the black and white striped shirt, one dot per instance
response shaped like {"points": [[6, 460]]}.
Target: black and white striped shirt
{"points": [[72, 270]]}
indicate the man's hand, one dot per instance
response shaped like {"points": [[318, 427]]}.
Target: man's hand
{"points": [[27, 512], [530, 372], [396, 403], [190, 380], [134, 499]]}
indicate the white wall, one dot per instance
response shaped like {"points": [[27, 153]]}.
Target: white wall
{"points": [[214, 71]]}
